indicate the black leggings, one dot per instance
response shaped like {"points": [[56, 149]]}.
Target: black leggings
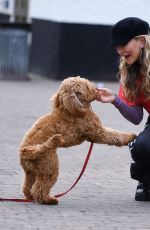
{"points": [[140, 153]]}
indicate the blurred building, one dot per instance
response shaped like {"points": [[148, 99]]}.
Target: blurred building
{"points": [[71, 37]]}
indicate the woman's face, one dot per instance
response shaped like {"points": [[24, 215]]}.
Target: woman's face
{"points": [[132, 50]]}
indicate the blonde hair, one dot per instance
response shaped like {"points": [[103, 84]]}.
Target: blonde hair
{"points": [[129, 74]]}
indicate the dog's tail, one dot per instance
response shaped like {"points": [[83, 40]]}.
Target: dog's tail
{"points": [[36, 151]]}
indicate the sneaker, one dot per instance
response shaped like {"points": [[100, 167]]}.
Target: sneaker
{"points": [[142, 192]]}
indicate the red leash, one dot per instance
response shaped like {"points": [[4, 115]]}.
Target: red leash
{"points": [[61, 194]]}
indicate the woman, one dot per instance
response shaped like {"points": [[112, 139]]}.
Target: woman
{"points": [[131, 39]]}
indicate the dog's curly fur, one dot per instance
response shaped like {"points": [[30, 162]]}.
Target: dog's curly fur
{"points": [[71, 122]]}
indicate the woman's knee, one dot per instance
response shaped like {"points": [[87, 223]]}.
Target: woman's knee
{"points": [[140, 149]]}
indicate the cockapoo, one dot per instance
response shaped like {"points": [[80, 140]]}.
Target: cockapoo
{"points": [[71, 122]]}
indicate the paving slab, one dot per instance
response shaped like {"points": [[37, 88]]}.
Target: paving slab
{"points": [[104, 197]]}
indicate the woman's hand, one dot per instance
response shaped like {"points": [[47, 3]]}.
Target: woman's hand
{"points": [[106, 95]]}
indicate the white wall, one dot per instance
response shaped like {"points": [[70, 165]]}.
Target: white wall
{"points": [[89, 11]]}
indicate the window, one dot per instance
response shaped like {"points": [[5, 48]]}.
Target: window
{"points": [[21, 10], [6, 4]]}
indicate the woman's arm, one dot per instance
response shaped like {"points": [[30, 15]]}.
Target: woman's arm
{"points": [[133, 114]]}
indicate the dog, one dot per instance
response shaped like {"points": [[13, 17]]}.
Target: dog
{"points": [[71, 122]]}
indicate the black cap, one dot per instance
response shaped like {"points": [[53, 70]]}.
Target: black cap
{"points": [[126, 29]]}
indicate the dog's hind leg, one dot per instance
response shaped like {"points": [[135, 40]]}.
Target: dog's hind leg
{"points": [[41, 189], [29, 180]]}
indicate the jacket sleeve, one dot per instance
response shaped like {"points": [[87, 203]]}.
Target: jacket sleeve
{"points": [[131, 111]]}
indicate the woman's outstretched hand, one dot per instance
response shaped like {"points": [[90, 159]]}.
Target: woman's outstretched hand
{"points": [[106, 95]]}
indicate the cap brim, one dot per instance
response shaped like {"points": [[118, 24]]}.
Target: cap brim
{"points": [[117, 42]]}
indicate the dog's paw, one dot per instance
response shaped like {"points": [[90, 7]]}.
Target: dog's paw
{"points": [[128, 138], [57, 138], [132, 136], [23, 152], [56, 141], [50, 200]]}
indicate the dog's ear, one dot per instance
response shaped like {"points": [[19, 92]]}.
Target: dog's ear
{"points": [[73, 104], [55, 100]]}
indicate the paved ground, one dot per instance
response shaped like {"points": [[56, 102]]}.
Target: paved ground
{"points": [[104, 197]]}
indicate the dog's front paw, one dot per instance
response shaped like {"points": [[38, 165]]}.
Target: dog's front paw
{"points": [[56, 141], [24, 152], [132, 136]]}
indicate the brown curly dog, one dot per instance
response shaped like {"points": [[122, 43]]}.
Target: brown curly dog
{"points": [[71, 122]]}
